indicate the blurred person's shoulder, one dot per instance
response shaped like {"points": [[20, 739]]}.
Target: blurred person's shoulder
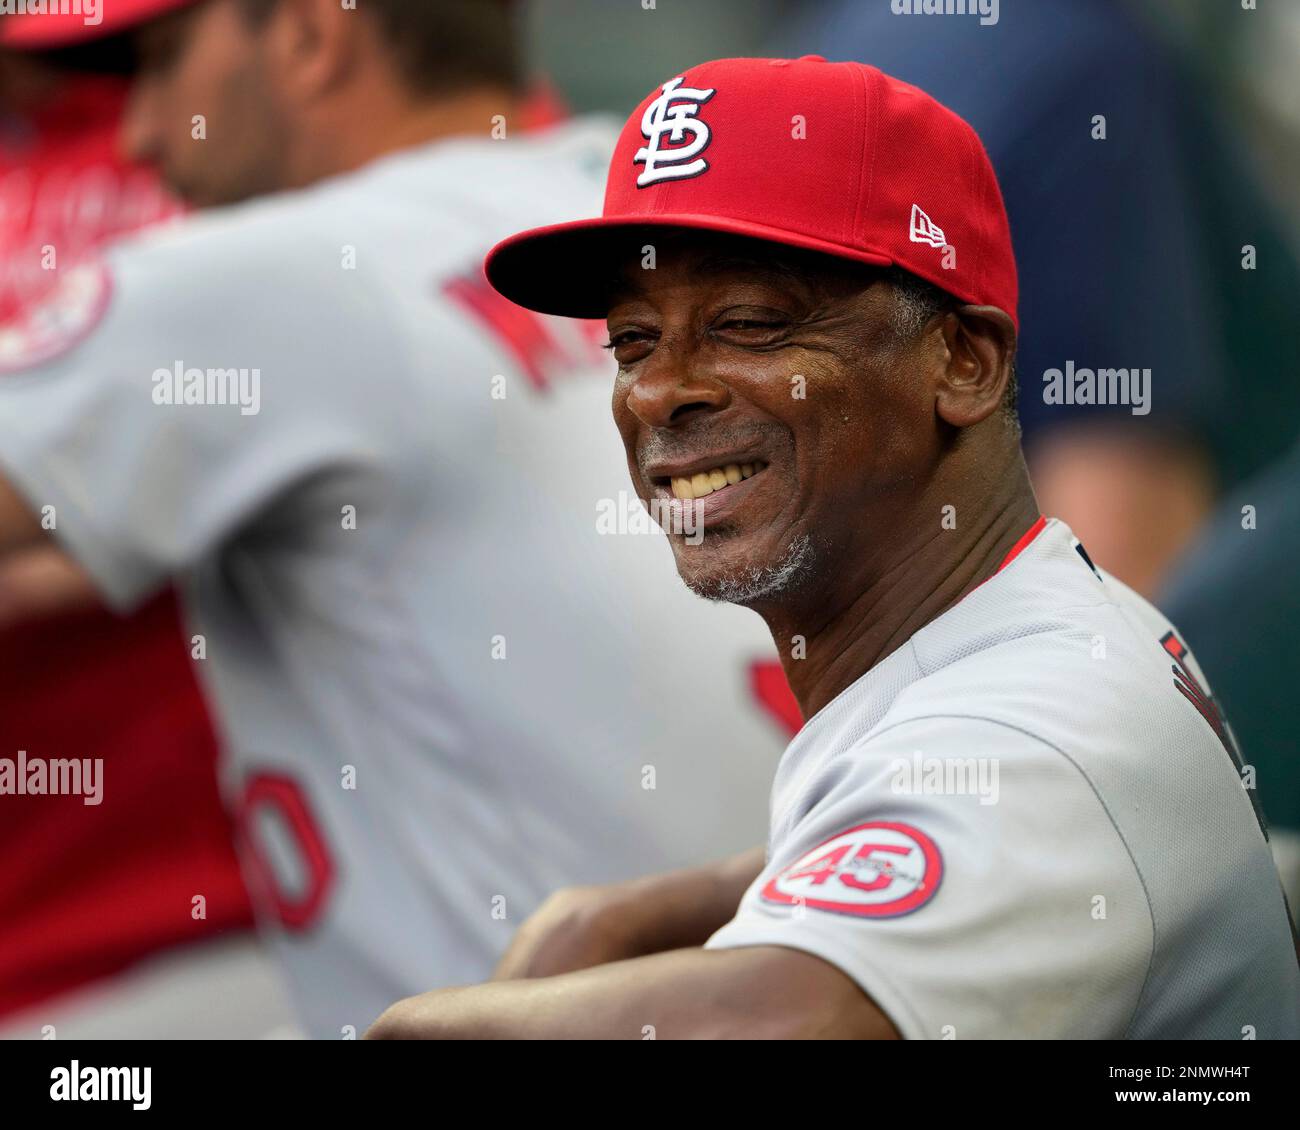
{"points": [[364, 251], [436, 202], [471, 178], [478, 188], [252, 271]]}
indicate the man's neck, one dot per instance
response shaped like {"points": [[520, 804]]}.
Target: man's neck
{"points": [[847, 633], [359, 139]]}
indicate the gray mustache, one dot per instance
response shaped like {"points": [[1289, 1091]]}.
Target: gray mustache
{"points": [[664, 445]]}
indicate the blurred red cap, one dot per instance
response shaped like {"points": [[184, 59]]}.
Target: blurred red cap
{"points": [[41, 31]]}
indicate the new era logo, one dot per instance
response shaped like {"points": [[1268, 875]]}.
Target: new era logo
{"points": [[925, 230]]}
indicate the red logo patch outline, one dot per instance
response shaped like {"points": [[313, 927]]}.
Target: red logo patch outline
{"points": [[875, 870], [59, 321]]}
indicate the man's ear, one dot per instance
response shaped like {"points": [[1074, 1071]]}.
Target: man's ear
{"points": [[981, 344], [315, 43]]}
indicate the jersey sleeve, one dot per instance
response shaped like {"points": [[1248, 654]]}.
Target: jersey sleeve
{"points": [[206, 379], [967, 877]]}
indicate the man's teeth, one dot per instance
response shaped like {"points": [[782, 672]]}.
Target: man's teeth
{"points": [[706, 482]]}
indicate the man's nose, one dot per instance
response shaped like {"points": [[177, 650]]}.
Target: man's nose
{"points": [[672, 386]]}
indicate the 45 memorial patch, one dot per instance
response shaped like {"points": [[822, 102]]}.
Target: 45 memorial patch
{"points": [[876, 870]]}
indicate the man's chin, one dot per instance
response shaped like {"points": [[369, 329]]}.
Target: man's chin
{"points": [[714, 574]]}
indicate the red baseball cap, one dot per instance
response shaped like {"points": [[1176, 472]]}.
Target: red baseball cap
{"points": [[82, 23], [832, 157]]}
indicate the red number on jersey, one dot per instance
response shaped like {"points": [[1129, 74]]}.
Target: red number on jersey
{"points": [[274, 805]]}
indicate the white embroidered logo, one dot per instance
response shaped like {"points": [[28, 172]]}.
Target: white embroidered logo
{"points": [[673, 113], [925, 230]]}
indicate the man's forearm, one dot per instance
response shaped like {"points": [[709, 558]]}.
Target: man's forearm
{"points": [[753, 993], [684, 908], [578, 927]]}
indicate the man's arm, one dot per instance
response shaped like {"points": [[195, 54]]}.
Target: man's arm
{"points": [[36, 577], [755, 992], [19, 526], [42, 581], [579, 927]]}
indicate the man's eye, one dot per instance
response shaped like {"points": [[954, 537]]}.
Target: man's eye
{"points": [[750, 329], [626, 337]]}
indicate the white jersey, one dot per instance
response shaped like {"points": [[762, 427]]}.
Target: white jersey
{"points": [[451, 667], [1028, 821]]}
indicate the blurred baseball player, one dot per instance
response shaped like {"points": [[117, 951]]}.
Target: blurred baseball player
{"points": [[1015, 810], [75, 676], [449, 674]]}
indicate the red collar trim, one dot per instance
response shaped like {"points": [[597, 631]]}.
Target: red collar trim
{"points": [[1025, 539]]}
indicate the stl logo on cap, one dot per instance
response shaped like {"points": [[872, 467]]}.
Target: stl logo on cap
{"points": [[875, 870], [674, 113]]}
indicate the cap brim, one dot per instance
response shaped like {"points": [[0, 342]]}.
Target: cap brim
{"points": [[50, 31], [572, 269]]}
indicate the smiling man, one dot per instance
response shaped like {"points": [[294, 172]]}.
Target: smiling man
{"points": [[810, 289]]}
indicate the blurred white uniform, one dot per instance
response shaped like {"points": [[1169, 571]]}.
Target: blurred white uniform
{"points": [[1029, 821], [443, 692]]}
